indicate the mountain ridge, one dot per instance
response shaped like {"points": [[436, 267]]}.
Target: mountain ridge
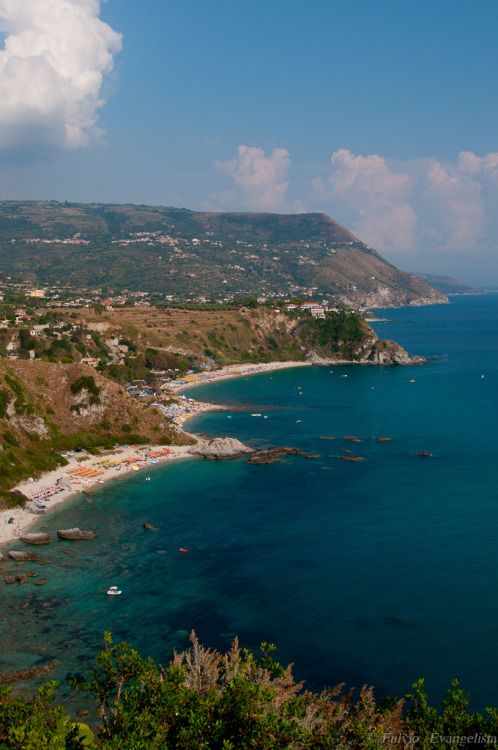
{"points": [[179, 251]]}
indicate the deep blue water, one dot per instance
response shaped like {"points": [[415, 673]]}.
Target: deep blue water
{"points": [[378, 572]]}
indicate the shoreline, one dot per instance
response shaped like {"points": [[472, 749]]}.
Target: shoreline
{"points": [[85, 472], [232, 371]]}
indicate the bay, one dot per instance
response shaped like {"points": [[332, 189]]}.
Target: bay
{"points": [[376, 572]]}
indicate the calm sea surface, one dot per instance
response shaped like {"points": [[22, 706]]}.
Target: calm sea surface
{"points": [[380, 571]]}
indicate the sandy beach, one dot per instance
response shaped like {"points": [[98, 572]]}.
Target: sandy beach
{"points": [[82, 472], [231, 371], [85, 471]]}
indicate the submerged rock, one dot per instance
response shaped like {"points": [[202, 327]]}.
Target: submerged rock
{"points": [[76, 534], [274, 453], [36, 538]]}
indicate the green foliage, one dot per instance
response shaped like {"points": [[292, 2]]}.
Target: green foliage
{"points": [[441, 727], [10, 439], [205, 700], [4, 402], [342, 332], [85, 382], [33, 723]]}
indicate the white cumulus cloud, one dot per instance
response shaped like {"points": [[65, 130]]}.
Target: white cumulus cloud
{"points": [[377, 194], [456, 199], [260, 183], [55, 56]]}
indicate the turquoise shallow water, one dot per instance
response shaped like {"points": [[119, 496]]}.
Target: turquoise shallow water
{"points": [[378, 572]]}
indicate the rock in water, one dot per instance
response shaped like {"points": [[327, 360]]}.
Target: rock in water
{"points": [[22, 556], [76, 534], [36, 538], [220, 448]]}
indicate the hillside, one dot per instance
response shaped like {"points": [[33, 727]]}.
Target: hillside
{"points": [[447, 284], [51, 401], [177, 251], [133, 342], [47, 408]]}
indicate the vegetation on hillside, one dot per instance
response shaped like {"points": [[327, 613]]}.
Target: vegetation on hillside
{"points": [[170, 250], [47, 409], [135, 341], [208, 701]]}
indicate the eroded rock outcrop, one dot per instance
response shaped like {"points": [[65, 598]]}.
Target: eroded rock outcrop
{"points": [[391, 353], [220, 448]]}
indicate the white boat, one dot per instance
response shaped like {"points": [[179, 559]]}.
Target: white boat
{"points": [[114, 591]]}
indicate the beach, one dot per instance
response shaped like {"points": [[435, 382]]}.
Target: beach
{"points": [[82, 473], [231, 371], [85, 471]]}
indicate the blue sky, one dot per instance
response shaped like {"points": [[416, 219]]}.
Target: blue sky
{"points": [[381, 114]]}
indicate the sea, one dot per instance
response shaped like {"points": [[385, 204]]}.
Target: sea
{"points": [[377, 571]]}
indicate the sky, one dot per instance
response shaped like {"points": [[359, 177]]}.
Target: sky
{"points": [[382, 114]]}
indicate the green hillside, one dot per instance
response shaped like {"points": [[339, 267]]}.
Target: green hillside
{"points": [[177, 251]]}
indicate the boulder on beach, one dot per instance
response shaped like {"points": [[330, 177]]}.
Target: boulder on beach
{"points": [[32, 507], [22, 556], [63, 482], [76, 534], [219, 448], [36, 538]]}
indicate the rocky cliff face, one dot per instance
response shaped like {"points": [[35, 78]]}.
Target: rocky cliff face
{"points": [[385, 297], [390, 353]]}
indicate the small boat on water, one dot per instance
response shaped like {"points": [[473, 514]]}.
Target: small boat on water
{"points": [[255, 415], [114, 591]]}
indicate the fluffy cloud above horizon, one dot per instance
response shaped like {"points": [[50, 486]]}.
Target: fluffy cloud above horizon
{"points": [[400, 208], [259, 180], [55, 56], [378, 195]]}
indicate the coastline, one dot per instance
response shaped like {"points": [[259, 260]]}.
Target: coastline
{"points": [[82, 473], [75, 482], [232, 371]]}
